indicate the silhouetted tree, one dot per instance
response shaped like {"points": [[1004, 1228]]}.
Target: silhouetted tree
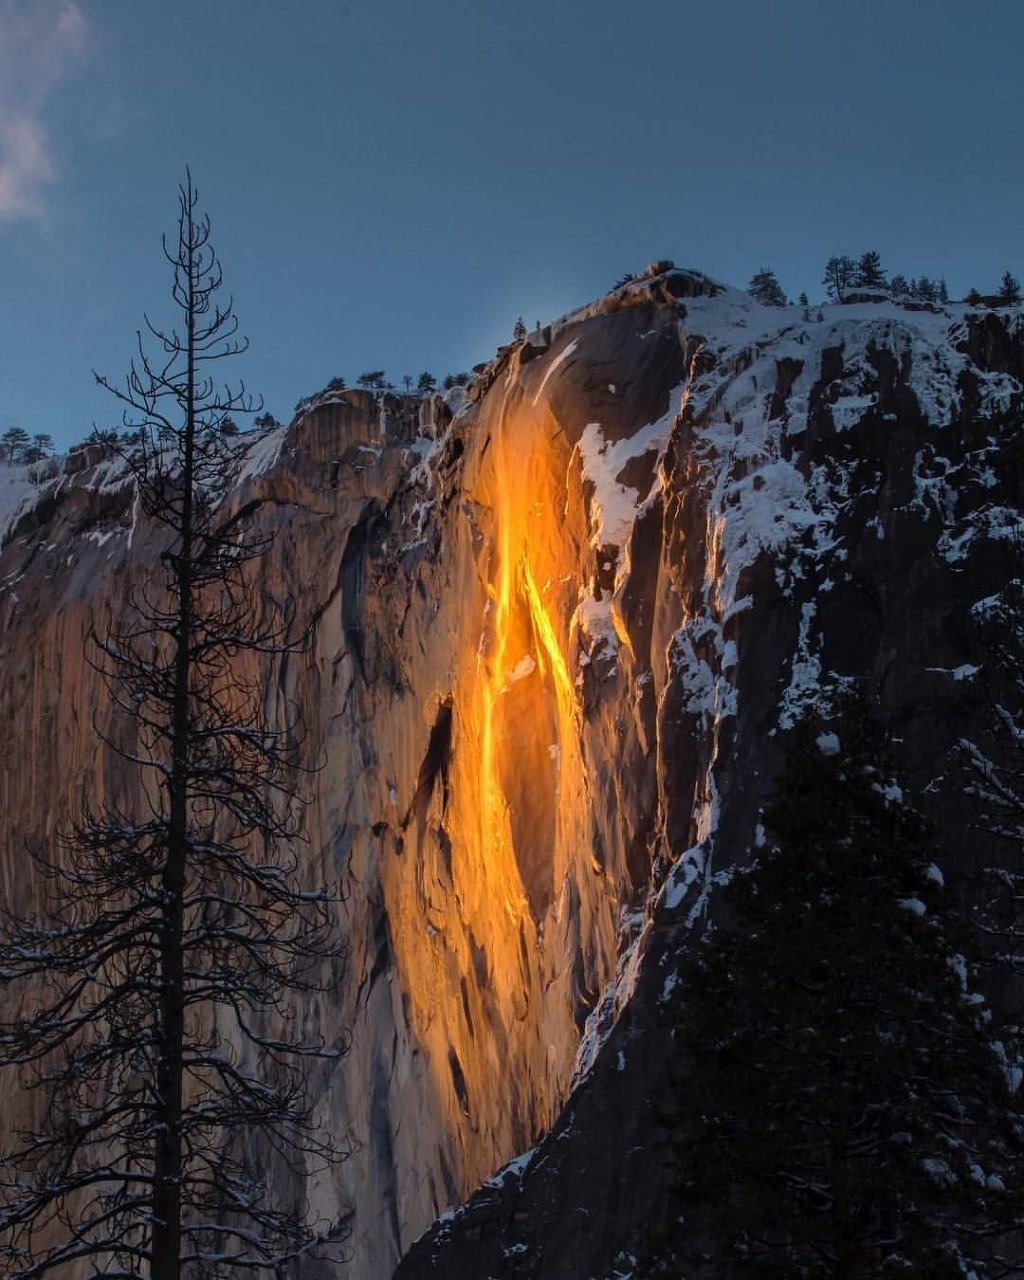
{"points": [[426, 383], [519, 331], [899, 286], [1009, 289], [923, 289], [159, 991], [14, 441], [765, 288], [869, 273], [839, 275], [19, 448], [842, 1109]]}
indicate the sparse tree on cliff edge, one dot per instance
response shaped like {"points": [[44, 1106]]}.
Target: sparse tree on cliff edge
{"points": [[924, 290], [1009, 289], [765, 288], [869, 272], [161, 989], [839, 275], [14, 441]]}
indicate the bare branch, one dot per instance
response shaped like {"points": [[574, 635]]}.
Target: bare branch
{"points": [[179, 932]]}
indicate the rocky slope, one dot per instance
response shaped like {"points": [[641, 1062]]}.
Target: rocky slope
{"points": [[836, 504], [558, 629]]}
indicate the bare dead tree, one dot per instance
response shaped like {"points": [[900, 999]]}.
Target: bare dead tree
{"points": [[163, 984], [840, 271]]}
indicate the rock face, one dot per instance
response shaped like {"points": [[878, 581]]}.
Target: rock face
{"points": [[834, 504], [558, 627]]}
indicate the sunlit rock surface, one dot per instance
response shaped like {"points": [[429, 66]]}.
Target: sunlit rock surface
{"points": [[558, 626]]}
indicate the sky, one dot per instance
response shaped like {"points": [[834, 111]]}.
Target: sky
{"points": [[391, 183]]}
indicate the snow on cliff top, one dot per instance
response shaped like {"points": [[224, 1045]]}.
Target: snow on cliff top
{"points": [[759, 501], [20, 487], [732, 322], [15, 487], [250, 457]]}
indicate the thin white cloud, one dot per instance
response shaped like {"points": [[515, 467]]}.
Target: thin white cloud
{"points": [[42, 44]]}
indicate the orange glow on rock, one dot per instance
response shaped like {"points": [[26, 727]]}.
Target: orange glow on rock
{"points": [[506, 882], [544, 632], [531, 772]]}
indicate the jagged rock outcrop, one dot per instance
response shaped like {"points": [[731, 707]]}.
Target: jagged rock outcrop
{"points": [[558, 627]]}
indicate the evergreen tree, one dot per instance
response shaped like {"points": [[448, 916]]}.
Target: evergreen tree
{"points": [[155, 1003], [899, 286], [1009, 290], [765, 288], [840, 271], [841, 1111], [870, 274], [14, 441], [426, 383], [924, 290], [519, 332]]}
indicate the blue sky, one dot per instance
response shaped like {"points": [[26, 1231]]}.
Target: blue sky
{"points": [[392, 182]]}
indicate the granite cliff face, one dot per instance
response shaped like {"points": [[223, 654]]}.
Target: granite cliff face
{"points": [[558, 627]]}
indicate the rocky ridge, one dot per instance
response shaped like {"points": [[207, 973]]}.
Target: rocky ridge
{"points": [[559, 625]]}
